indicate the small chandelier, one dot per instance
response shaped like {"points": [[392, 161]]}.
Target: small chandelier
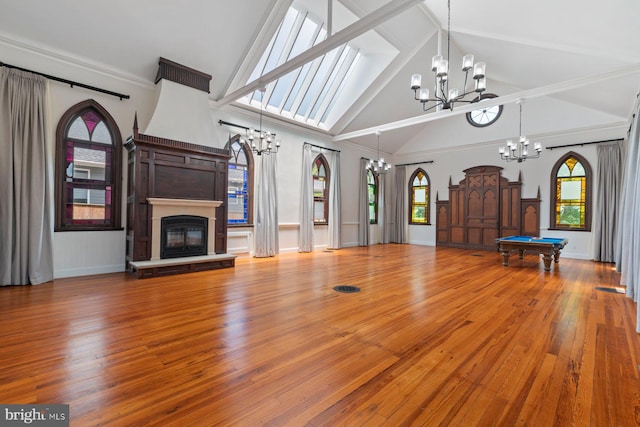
{"points": [[379, 167], [445, 97], [264, 141], [519, 149]]}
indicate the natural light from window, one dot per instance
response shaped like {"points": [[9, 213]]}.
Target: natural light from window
{"points": [[311, 94]]}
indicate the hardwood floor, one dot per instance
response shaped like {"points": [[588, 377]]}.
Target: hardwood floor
{"points": [[435, 337]]}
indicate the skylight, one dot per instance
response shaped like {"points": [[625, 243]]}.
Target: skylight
{"points": [[309, 93]]}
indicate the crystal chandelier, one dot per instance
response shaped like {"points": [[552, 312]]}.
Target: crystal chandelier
{"points": [[519, 149], [443, 96], [379, 167], [262, 141]]}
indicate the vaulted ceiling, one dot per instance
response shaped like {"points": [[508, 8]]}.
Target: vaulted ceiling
{"points": [[571, 53]]}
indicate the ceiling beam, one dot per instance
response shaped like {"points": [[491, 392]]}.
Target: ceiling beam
{"points": [[500, 100], [375, 18]]}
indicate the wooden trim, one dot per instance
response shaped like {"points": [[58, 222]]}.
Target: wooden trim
{"points": [[588, 189], [183, 75], [60, 168]]}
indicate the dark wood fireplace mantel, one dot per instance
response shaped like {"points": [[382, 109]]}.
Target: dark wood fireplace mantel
{"points": [[164, 168]]}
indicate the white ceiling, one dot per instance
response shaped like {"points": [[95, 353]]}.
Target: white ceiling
{"points": [[585, 53]]}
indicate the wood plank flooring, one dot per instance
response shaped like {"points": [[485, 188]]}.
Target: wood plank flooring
{"points": [[435, 337]]}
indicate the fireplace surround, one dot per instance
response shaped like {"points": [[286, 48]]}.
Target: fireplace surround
{"points": [[175, 211]]}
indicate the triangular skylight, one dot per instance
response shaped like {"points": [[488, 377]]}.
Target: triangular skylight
{"points": [[311, 94]]}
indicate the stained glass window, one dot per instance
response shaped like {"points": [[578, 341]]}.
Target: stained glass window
{"points": [[239, 198], [419, 197], [571, 209], [372, 185], [320, 171], [88, 169]]}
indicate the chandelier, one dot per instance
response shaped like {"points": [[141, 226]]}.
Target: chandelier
{"points": [[519, 149], [443, 96], [379, 167], [261, 141]]}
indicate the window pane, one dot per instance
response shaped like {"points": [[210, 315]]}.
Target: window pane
{"points": [[237, 194], [564, 171], [420, 195], [372, 213], [419, 214], [372, 194], [88, 159], [318, 187], [78, 130], [571, 190], [570, 215], [318, 211], [101, 134]]}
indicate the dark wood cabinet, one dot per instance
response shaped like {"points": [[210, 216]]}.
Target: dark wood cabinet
{"points": [[482, 207]]}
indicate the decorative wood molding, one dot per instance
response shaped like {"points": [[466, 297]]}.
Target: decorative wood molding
{"points": [[175, 144], [184, 75]]}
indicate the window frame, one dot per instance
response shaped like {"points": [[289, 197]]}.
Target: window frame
{"points": [[250, 170], [411, 200], [470, 114], [325, 199], [554, 194], [64, 124], [376, 188]]}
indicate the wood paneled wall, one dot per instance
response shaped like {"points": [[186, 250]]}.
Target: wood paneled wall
{"points": [[482, 207]]}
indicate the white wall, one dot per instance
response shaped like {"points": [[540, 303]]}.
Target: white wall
{"points": [[449, 164], [83, 253]]}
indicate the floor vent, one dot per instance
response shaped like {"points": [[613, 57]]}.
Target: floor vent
{"points": [[346, 289], [612, 290]]}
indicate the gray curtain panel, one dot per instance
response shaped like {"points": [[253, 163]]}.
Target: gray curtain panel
{"points": [[335, 202], [363, 205], [628, 231], [267, 242], [305, 238], [26, 169], [399, 232], [607, 199]]}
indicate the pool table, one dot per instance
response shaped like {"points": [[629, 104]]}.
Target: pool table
{"points": [[548, 247]]}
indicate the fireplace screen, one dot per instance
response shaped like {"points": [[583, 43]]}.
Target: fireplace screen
{"points": [[183, 235]]}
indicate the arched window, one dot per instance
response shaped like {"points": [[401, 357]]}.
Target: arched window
{"points": [[419, 198], [240, 187], [372, 185], [88, 169], [571, 193], [320, 171]]}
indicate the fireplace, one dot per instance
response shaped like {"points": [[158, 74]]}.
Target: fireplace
{"points": [[183, 233], [182, 236], [175, 169]]}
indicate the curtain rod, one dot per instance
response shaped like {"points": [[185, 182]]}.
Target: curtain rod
{"points": [[415, 163], [222, 122], [320, 147], [69, 82], [584, 143]]}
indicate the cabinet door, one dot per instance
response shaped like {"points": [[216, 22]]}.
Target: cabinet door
{"points": [[483, 207]]}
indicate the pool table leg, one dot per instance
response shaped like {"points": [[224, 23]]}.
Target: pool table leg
{"points": [[505, 258], [547, 261], [556, 255]]}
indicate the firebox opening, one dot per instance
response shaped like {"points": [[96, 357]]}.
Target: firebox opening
{"points": [[183, 236]]}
